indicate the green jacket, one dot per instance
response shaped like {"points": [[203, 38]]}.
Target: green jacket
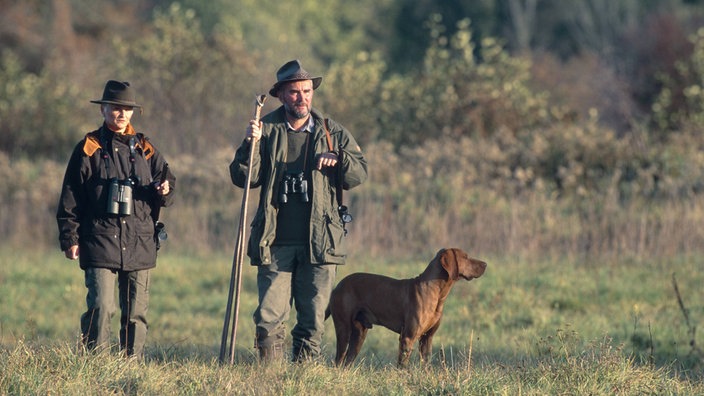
{"points": [[327, 236]]}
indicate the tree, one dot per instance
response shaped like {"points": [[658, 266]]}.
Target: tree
{"points": [[522, 16], [193, 89]]}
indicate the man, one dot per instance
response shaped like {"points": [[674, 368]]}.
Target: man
{"points": [[115, 183], [298, 235]]}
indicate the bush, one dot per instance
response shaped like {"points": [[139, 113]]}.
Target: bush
{"points": [[459, 94], [37, 116], [683, 109], [191, 87]]}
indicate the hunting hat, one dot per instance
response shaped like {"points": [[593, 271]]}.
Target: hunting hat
{"points": [[292, 71], [118, 93]]}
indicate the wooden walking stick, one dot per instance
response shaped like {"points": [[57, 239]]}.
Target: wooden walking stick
{"points": [[238, 258]]}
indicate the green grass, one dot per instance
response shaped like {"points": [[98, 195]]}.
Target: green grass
{"points": [[546, 327]]}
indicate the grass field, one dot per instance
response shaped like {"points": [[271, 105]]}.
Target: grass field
{"points": [[547, 327]]}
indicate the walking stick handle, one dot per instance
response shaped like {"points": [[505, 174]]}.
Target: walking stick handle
{"points": [[259, 103], [258, 108]]}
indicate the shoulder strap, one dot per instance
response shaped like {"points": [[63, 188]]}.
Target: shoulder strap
{"points": [[341, 208], [327, 134]]}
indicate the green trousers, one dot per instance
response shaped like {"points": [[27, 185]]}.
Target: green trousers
{"points": [[292, 278], [134, 301]]}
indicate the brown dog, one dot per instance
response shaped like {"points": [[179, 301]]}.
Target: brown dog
{"points": [[409, 307]]}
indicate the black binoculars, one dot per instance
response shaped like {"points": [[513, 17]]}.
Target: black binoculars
{"points": [[293, 184], [120, 197]]}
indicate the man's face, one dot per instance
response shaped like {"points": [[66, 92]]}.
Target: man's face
{"points": [[297, 97], [116, 116]]}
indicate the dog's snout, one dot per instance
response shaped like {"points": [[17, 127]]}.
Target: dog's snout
{"points": [[479, 267]]}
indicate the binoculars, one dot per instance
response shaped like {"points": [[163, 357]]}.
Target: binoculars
{"points": [[293, 184], [120, 197]]}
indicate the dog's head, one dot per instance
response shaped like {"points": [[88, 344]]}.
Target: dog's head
{"points": [[459, 265]]}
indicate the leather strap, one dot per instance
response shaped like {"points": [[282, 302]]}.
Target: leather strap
{"points": [[338, 182], [327, 134]]}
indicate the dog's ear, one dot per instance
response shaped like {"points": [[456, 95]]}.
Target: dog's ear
{"points": [[448, 260]]}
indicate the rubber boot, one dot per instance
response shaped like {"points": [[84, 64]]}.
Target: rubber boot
{"points": [[270, 346], [271, 353]]}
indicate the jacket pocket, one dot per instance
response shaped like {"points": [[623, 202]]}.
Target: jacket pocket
{"points": [[335, 250], [144, 253], [255, 237], [100, 249]]}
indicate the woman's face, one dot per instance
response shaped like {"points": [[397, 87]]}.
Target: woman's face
{"points": [[116, 117]]}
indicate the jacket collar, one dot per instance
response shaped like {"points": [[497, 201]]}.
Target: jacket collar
{"points": [[92, 141]]}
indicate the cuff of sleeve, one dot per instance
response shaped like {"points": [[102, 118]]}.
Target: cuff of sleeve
{"points": [[68, 242]]}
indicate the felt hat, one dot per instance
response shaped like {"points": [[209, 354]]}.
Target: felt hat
{"points": [[118, 93], [292, 71]]}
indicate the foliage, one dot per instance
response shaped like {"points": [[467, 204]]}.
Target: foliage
{"points": [[690, 115], [186, 82], [463, 148], [325, 31], [577, 192], [350, 95], [70, 38], [456, 94], [410, 43], [36, 111]]}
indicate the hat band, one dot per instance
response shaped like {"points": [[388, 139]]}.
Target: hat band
{"points": [[299, 76]]}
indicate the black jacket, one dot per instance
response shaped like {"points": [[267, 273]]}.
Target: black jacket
{"points": [[107, 240]]}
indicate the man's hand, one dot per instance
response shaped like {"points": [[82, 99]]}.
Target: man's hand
{"points": [[326, 159], [254, 130]]}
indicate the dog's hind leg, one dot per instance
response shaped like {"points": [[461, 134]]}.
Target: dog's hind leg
{"points": [[342, 346], [359, 333], [342, 334]]}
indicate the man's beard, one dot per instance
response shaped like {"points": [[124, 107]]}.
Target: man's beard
{"points": [[293, 112]]}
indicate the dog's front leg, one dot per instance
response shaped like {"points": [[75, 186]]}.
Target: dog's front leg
{"points": [[426, 343], [405, 347], [425, 347]]}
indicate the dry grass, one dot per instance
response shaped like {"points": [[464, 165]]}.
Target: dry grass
{"points": [[525, 327], [416, 202]]}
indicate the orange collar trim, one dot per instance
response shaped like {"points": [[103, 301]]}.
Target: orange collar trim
{"points": [[92, 143]]}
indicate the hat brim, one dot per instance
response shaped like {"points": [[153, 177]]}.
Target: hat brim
{"points": [[115, 102], [274, 89]]}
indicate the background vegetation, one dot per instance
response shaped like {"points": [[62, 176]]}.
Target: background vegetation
{"points": [[561, 134], [518, 126]]}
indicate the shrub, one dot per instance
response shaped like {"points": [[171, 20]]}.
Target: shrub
{"points": [[37, 116], [458, 93]]}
